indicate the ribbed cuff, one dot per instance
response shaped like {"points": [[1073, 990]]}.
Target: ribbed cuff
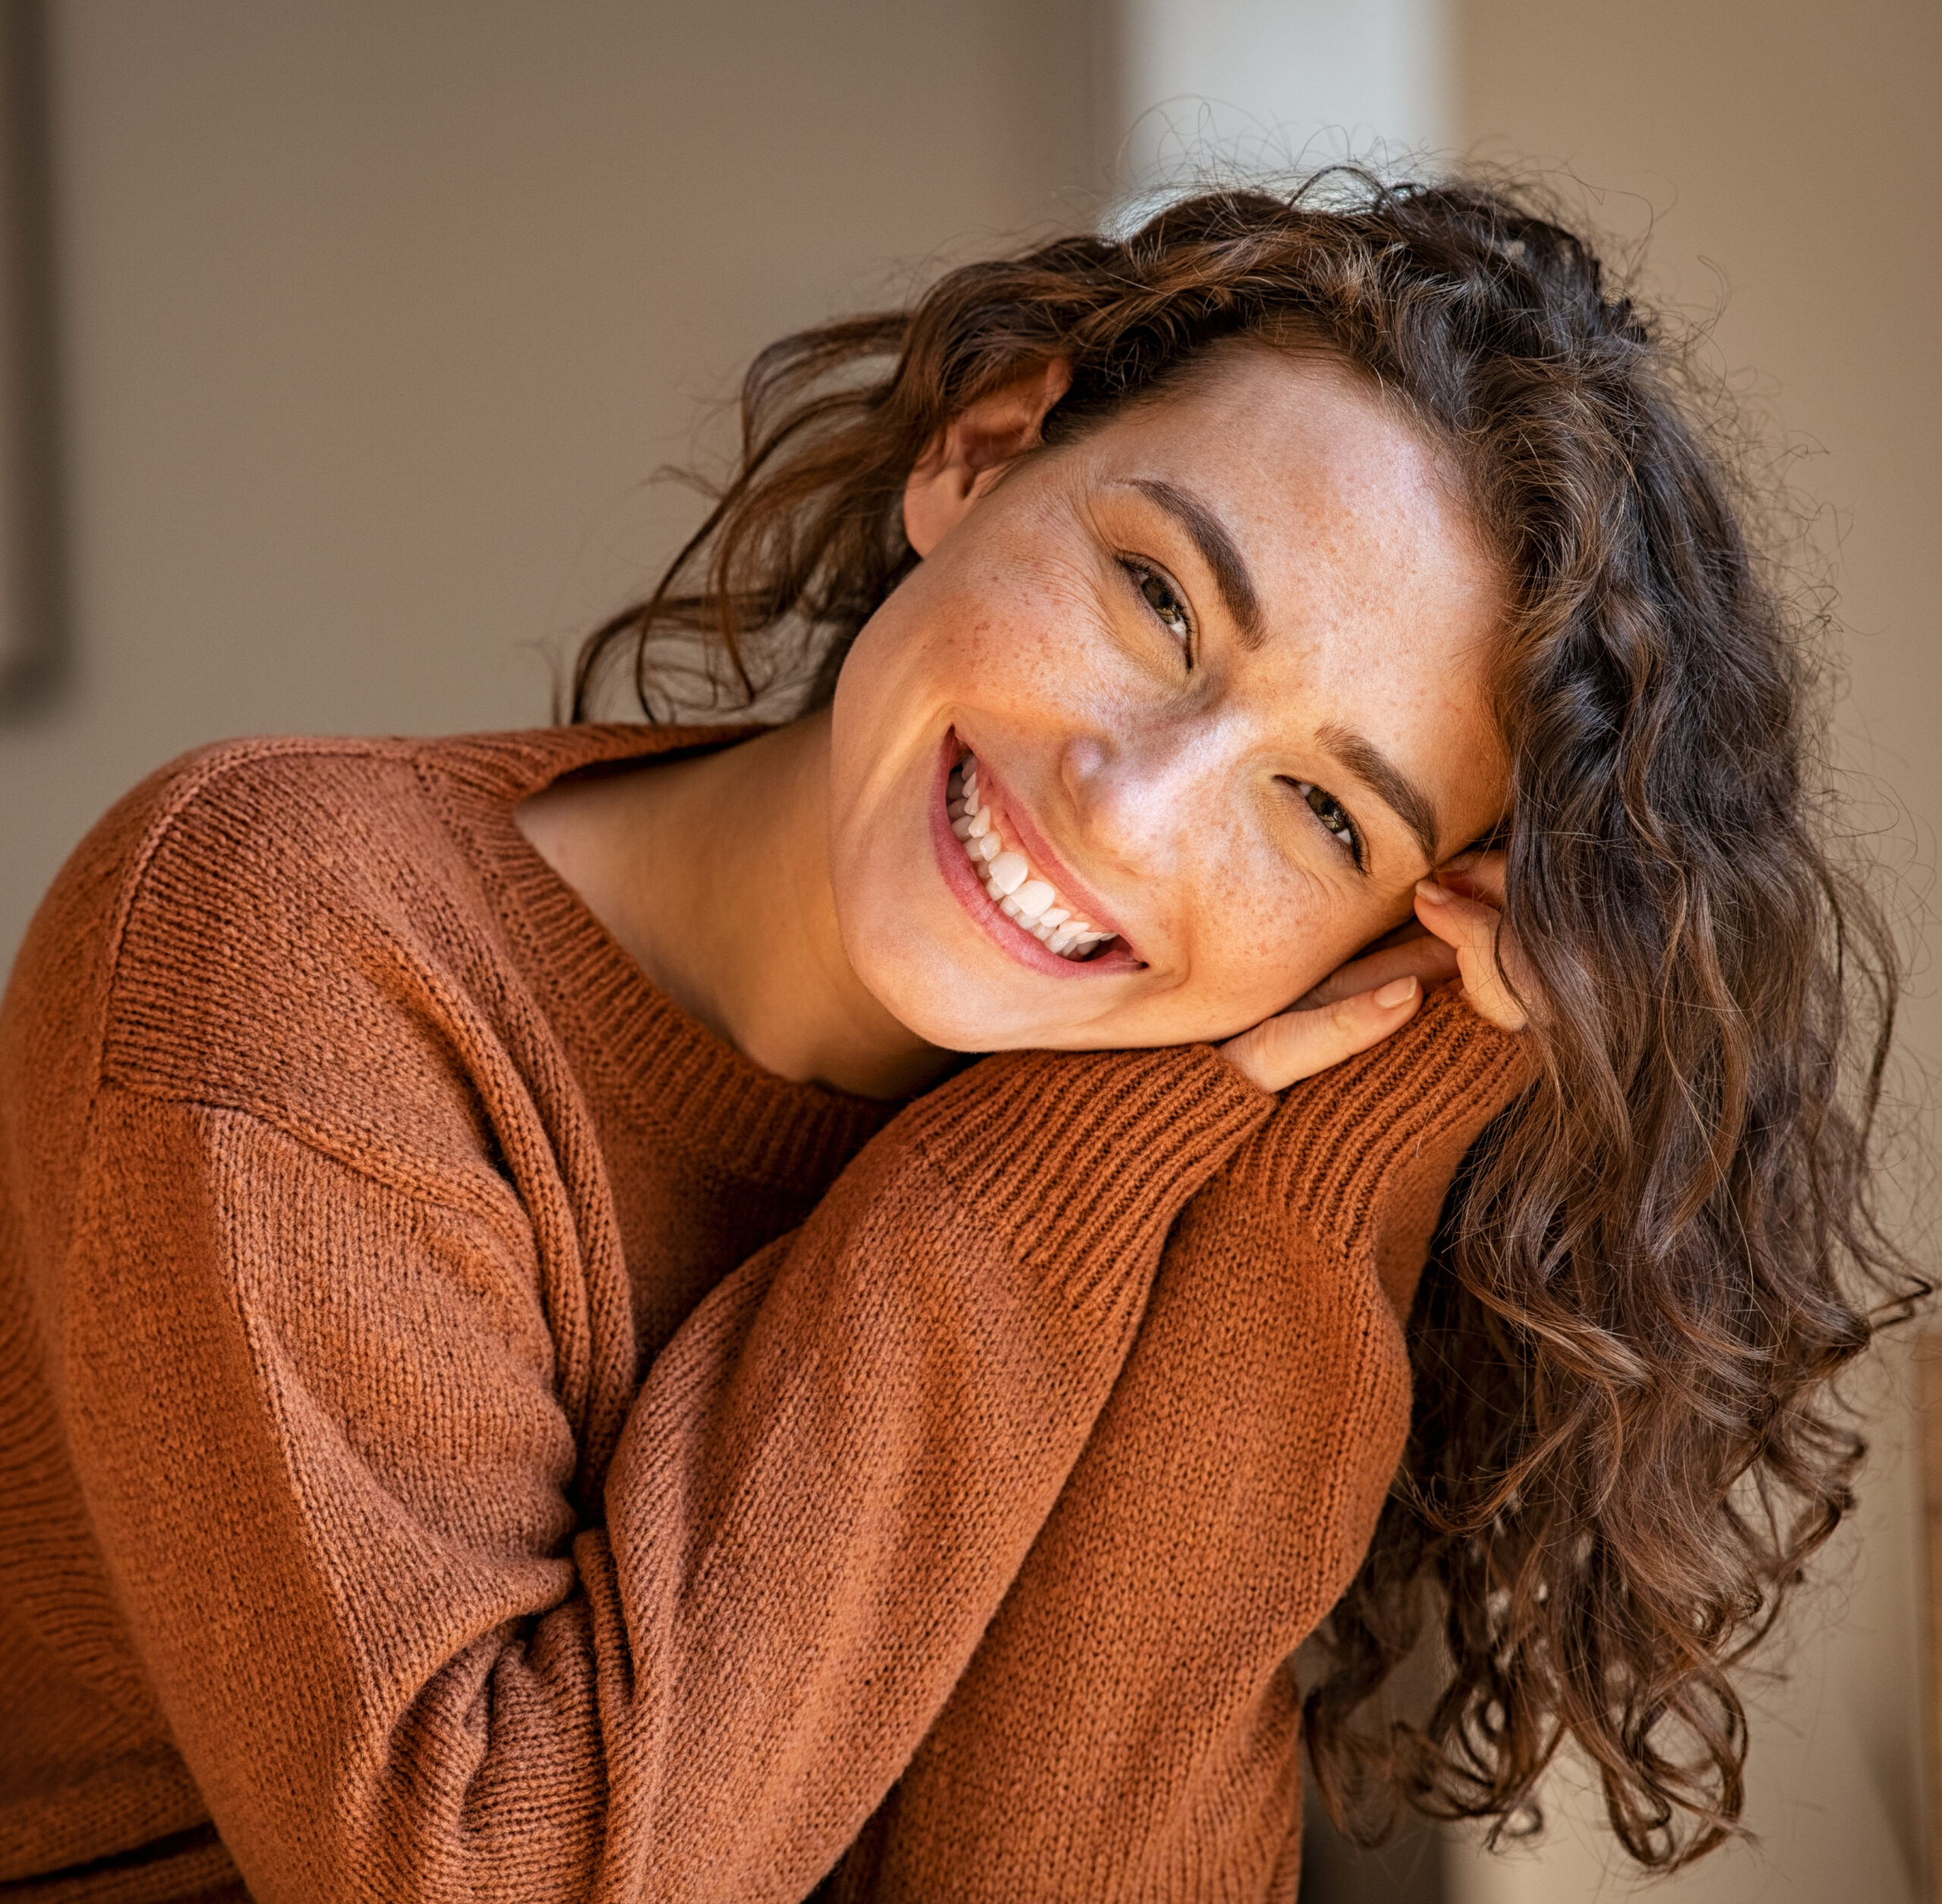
{"points": [[1081, 1157], [1338, 1136]]}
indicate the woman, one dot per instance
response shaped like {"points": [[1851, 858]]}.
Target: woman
{"points": [[541, 1368]]}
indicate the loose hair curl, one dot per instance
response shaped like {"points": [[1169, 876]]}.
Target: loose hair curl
{"points": [[1624, 1443]]}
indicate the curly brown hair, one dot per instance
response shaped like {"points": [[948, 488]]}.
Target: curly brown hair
{"points": [[1625, 1443]]}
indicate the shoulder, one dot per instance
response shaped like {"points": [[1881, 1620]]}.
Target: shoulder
{"points": [[273, 925]]}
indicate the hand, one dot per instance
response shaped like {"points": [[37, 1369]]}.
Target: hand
{"points": [[1458, 932], [1461, 906]]}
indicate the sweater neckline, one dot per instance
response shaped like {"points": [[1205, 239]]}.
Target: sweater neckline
{"points": [[655, 1064]]}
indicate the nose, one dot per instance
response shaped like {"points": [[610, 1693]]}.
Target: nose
{"points": [[1134, 795]]}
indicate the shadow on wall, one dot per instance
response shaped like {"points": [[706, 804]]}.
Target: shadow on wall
{"points": [[33, 648]]}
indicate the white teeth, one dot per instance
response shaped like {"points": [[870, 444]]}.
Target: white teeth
{"points": [[1007, 875], [1033, 897], [1010, 871]]}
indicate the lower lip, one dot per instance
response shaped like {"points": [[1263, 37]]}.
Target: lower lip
{"points": [[955, 865]]}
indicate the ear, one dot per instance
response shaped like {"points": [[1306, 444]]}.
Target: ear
{"points": [[963, 459]]}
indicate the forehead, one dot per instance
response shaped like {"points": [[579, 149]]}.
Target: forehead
{"points": [[1310, 467]]}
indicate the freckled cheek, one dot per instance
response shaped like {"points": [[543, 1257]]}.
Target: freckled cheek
{"points": [[1261, 933], [1240, 914], [1033, 649]]}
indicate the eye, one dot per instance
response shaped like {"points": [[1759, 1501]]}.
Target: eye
{"points": [[1163, 599], [1333, 815]]}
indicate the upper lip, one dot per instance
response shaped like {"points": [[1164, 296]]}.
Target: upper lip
{"points": [[1073, 893]]}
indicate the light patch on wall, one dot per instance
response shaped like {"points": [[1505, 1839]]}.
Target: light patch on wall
{"points": [[1270, 88]]}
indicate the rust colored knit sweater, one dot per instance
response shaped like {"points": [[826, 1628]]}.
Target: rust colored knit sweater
{"points": [[465, 1433]]}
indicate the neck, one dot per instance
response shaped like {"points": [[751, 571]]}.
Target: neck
{"points": [[713, 874]]}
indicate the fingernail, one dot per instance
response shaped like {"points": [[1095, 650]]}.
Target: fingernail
{"points": [[1398, 992], [1429, 889]]}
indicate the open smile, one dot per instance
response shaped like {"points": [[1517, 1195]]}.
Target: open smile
{"points": [[983, 851]]}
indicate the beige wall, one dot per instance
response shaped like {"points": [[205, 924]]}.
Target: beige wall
{"points": [[1786, 157], [379, 311]]}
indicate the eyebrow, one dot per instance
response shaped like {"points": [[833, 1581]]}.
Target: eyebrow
{"points": [[1387, 781], [1218, 550]]}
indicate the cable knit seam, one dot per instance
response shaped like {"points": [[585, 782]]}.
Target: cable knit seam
{"points": [[272, 1416], [1331, 1500], [251, 1327]]}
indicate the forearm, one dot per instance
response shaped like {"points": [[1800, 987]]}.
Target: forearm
{"points": [[385, 1647], [1129, 1725]]}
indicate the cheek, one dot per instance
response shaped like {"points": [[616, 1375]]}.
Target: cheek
{"points": [[1023, 634], [1004, 642], [1262, 932]]}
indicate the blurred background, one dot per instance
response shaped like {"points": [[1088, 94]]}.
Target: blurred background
{"points": [[342, 339]]}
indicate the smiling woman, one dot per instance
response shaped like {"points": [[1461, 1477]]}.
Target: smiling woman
{"points": [[1202, 699], [636, 1310]]}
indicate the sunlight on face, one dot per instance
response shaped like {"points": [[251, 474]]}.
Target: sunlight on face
{"points": [[1220, 669]]}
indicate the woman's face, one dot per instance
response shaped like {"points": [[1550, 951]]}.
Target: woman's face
{"points": [[1220, 669]]}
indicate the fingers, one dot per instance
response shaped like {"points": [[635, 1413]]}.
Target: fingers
{"points": [[1295, 1045], [1425, 957], [1410, 928], [1476, 875], [1476, 934], [1458, 932]]}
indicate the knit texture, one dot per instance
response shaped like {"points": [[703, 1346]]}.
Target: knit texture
{"points": [[466, 1433]]}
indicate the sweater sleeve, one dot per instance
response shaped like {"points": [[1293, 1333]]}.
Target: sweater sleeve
{"points": [[317, 1414], [1129, 1728]]}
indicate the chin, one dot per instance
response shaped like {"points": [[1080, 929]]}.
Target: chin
{"points": [[948, 1011], [951, 1003]]}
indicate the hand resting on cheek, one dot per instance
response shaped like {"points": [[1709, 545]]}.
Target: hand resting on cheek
{"points": [[1459, 932]]}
